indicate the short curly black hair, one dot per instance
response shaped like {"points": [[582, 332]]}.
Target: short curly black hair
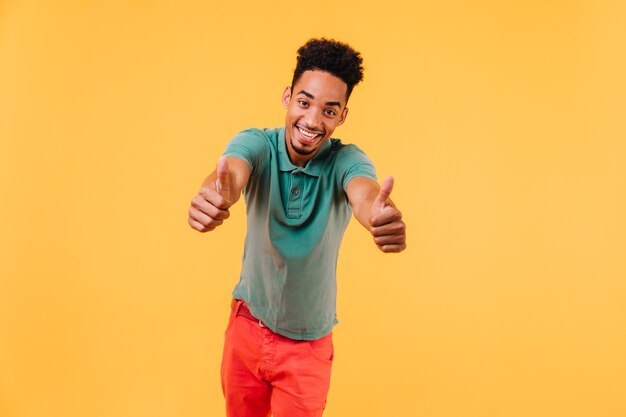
{"points": [[335, 57]]}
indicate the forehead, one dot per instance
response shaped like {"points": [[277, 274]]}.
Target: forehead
{"points": [[322, 85]]}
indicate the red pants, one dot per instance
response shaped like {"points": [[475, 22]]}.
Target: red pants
{"points": [[265, 372]]}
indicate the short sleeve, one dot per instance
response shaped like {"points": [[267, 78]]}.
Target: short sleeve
{"points": [[252, 146], [352, 162]]}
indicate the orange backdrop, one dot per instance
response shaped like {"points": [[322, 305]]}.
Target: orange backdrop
{"points": [[503, 123]]}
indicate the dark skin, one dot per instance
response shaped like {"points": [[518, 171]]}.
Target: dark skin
{"points": [[316, 105]]}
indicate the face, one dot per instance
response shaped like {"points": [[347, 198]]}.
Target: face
{"points": [[315, 107]]}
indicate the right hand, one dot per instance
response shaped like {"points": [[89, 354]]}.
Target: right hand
{"points": [[210, 207]]}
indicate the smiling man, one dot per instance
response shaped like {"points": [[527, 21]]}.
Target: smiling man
{"points": [[301, 187]]}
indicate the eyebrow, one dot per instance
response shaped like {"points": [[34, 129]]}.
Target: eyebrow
{"points": [[312, 97]]}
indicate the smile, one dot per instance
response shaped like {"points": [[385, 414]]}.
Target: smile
{"points": [[307, 135]]}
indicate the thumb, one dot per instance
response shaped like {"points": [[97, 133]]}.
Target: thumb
{"points": [[383, 195], [222, 184]]}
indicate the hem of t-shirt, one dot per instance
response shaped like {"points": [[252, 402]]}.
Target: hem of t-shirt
{"points": [[288, 334], [304, 336]]}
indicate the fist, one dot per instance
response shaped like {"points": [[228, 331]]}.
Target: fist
{"points": [[386, 225], [210, 207]]}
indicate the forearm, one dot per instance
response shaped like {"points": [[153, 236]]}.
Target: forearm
{"points": [[362, 193], [363, 208]]}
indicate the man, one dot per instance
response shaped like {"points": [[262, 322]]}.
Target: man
{"points": [[300, 188]]}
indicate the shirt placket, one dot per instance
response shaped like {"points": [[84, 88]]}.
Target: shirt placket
{"points": [[294, 206]]}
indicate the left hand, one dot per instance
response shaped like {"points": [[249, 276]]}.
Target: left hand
{"points": [[386, 223]]}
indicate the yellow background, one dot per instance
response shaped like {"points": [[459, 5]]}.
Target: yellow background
{"points": [[503, 123]]}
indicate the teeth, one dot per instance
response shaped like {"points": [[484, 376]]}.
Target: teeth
{"points": [[307, 134]]}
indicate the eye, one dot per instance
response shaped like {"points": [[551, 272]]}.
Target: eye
{"points": [[303, 103], [330, 113]]}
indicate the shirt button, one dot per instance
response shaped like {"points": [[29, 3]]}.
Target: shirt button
{"points": [[295, 192]]}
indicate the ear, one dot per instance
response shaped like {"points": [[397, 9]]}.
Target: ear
{"points": [[286, 96], [342, 119]]}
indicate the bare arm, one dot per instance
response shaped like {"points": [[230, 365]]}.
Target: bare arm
{"points": [[220, 190], [377, 213]]}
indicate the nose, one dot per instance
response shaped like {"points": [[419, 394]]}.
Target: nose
{"points": [[313, 120]]}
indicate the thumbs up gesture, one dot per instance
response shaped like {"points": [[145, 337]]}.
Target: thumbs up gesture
{"points": [[210, 207], [386, 223]]}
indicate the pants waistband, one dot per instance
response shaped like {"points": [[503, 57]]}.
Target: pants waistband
{"points": [[241, 309]]}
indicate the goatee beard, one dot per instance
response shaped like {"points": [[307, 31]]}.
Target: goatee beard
{"points": [[301, 151]]}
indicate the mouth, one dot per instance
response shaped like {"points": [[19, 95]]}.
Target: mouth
{"points": [[307, 136]]}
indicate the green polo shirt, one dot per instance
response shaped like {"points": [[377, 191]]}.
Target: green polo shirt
{"points": [[296, 218]]}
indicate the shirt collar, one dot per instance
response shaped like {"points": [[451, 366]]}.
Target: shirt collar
{"points": [[313, 167]]}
